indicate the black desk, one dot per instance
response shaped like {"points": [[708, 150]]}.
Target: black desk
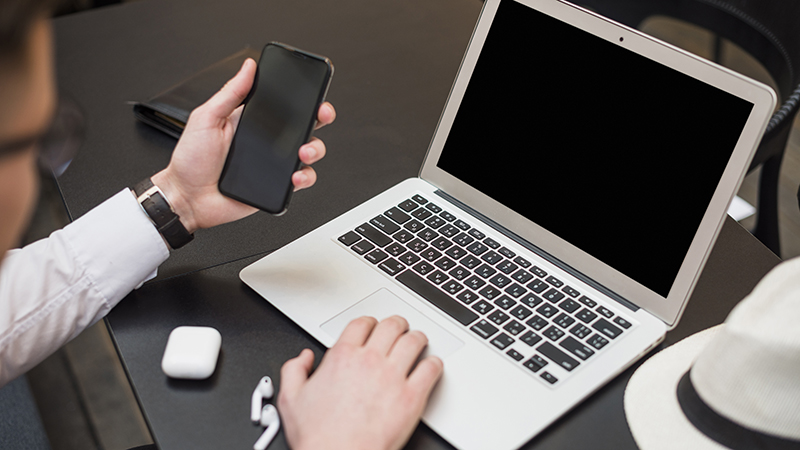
{"points": [[395, 62]]}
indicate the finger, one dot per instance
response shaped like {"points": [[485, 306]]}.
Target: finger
{"points": [[304, 178], [407, 349], [357, 331], [386, 334], [312, 152], [222, 104], [326, 115], [424, 377], [295, 371]]}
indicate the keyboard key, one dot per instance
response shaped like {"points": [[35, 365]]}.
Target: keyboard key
{"points": [[436, 297], [498, 317], [492, 257], [419, 199], [408, 206], [476, 234], [554, 281], [622, 322], [587, 301], [516, 290], [502, 341], [491, 243], [485, 270], [547, 310], [455, 252], [522, 262], [403, 236], [417, 245], [553, 295], [597, 341], [445, 263], [463, 239], [530, 300], [580, 331], [362, 246], [430, 254], [434, 222], [586, 316], [484, 329], [421, 214], [414, 226], [441, 243], [515, 355], [376, 256], [514, 327], [557, 356], [537, 323], [605, 311], [395, 249], [452, 287], [474, 282], [371, 233], [427, 235], [490, 292], [505, 302], [384, 224], [576, 348], [563, 320], [606, 329], [569, 305], [530, 338], [537, 286], [467, 297], [534, 364], [483, 307], [476, 248], [397, 215], [461, 224], [434, 208], [507, 267], [409, 258], [470, 262], [500, 280], [437, 277], [459, 273], [547, 376], [553, 333], [538, 272], [349, 238], [391, 266], [424, 268], [521, 312], [448, 230], [447, 216], [507, 253], [522, 276], [571, 292]]}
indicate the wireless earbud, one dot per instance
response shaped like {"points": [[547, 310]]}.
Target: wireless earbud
{"points": [[264, 390], [271, 420]]}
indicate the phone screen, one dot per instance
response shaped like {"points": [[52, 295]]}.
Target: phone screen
{"points": [[288, 89]]}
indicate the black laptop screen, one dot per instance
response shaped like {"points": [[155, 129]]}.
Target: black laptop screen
{"points": [[604, 148]]}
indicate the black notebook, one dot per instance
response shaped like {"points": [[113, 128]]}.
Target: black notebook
{"points": [[169, 110]]}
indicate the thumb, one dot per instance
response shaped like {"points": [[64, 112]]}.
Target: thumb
{"points": [[294, 373], [222, 104]]}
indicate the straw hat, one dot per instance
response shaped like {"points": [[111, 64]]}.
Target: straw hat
{"points": [[734, 386]]}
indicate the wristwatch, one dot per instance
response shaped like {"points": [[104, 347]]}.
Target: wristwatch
{"points": [[155, 205]]}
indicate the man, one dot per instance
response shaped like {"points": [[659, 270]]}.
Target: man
{"points": [[364, 394]]}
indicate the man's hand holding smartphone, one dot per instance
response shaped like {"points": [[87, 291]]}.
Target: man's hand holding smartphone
{"points": [[190, 181]]}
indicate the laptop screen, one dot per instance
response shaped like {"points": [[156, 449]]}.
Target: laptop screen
{"points": [[610, 151]]}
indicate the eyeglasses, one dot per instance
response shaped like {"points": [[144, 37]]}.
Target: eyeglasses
{"points": [[59, 143]]}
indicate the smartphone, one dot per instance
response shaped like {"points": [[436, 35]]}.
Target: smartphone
{"points": [[278, 118]]}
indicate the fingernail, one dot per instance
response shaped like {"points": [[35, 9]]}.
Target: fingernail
{"points": [[311, 152]]}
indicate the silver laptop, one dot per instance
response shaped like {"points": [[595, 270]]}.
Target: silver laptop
{"points": [[534, 249]]}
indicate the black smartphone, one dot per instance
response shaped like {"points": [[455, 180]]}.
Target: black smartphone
{"points": [[278, 118]]}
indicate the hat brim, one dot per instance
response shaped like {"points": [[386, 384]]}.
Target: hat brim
{"points": [[654, 416]]}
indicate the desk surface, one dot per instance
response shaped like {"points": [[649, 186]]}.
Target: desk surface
{"points": [[395, 62]]}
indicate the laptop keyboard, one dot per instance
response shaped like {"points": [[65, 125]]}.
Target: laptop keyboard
{"points": [[521, 310]]}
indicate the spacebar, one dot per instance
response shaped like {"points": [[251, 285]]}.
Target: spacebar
{"points": [[437, 297]]}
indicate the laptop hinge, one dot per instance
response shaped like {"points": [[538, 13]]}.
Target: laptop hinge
{"points": [[550, 258]]}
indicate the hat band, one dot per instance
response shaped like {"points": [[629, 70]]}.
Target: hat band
{"points": [[721, 429]]}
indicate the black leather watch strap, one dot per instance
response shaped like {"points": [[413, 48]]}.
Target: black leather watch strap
{"points": [[161, 214]]}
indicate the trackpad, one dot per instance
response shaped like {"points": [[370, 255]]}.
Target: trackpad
{"points": [[383, 304]]}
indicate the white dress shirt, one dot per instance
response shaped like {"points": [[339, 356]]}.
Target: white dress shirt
{"points": [[53, 289]]}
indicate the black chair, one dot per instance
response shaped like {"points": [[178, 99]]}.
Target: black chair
{"points": [[768, 30]]}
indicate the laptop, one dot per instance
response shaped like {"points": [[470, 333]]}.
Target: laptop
{"points": [[533, 249]]}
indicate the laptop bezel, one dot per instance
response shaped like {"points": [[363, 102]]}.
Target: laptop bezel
{"points": [[667, 309]]}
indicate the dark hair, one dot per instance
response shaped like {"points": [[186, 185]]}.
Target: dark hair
{"points": [[16, 19]]}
